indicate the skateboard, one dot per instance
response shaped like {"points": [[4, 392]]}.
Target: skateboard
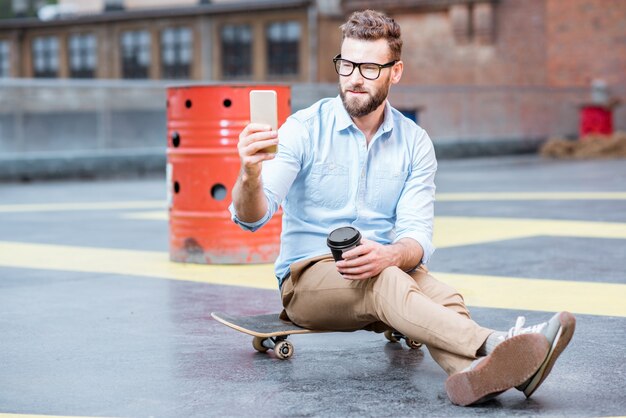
{"points": [[271, 333]]}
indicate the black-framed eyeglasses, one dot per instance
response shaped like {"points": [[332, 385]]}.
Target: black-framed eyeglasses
{"points": [[369, 70]]}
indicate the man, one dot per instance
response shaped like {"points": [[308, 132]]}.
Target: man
{"points": [[354, 160]]}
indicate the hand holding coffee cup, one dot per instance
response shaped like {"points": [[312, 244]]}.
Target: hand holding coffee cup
{"points": [[343, 239]]}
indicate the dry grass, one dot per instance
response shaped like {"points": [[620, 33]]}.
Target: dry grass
{"points": [[592, 146]]}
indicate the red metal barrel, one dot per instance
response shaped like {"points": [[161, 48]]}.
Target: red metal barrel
{"points": [[203, 126], [596, 119]]}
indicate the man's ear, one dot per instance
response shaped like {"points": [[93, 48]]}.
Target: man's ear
{"points": [[396, 72]]}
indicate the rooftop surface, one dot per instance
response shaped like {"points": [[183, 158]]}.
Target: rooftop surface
{"points": [[95, 321]]}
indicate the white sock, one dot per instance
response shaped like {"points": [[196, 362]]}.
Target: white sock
{"points": [[491, 342]]}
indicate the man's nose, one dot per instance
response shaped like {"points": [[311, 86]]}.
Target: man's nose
{"points": [[356, 77]]}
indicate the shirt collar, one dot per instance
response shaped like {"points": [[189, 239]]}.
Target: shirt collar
{"points": [[388, 119], [343, 119]]}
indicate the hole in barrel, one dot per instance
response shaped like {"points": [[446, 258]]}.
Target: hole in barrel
{"points": [[176, 187], [218, 192], [175, 139], [188, 104], [227, 103]]}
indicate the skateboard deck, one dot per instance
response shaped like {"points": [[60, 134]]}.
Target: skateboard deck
{"points": [[270, 332], [263, 326]]}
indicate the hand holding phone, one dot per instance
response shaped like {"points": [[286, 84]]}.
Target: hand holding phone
{"points": [[264, 109]]}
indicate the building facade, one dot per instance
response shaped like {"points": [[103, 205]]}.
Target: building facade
{"points": [[221, 41], [446, 42], [479, 74]]}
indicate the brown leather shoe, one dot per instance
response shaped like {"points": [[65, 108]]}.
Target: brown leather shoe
{"points": [[510, 364]]}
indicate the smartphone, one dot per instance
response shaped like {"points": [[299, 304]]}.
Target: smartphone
{"points": [[264, 109]]}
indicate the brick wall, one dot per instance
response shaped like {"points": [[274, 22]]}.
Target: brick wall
{"points": [[586, 39], [534, 42], [436, 51], [329, 41]]}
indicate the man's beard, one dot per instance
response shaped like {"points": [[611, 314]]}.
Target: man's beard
{"points": [[356, 109]]}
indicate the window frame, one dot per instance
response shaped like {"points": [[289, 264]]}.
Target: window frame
{"points": [[133, 70], [179, 68], [245, 44], [5, 58], [49, 56], [84, 53], [287, 51]]}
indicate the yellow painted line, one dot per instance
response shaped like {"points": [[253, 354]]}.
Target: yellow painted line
{"points": [[78, 206], [539, 294], [131, 263], [483, 291], [451, 231], [147, 216], [3, 415], [442, 197], [491, 196]]}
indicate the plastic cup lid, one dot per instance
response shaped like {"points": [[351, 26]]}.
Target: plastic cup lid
{"points": [[344, 236]]}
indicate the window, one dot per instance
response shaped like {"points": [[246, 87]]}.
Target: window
{"points": [[82, 54], [412, 114], [46, 57], [236, 51], [135, 54], [5, 63], [283, 39], [176, 50]]}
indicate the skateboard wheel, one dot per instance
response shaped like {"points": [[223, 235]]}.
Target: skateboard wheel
{"points": [[412, 344], [257, 343], [283, 349], [390, 337]]}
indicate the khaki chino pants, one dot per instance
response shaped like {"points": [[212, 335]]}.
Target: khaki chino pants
{"points": [[416, 304]]}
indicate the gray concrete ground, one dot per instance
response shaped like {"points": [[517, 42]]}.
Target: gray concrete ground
{"points": [[92, 342]]}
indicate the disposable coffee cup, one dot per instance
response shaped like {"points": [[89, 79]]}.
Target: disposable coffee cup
{"points": [[343, 239]]}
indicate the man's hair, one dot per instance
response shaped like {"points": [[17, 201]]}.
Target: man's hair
{"points": [[370, 25]]}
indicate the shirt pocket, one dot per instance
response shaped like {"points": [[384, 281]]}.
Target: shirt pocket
{"points": [[388, 186], [329, 185]]}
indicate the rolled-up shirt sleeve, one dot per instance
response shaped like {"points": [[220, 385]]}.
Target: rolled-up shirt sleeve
{"points": [[415, 209], [250, 226], [278, 174]]}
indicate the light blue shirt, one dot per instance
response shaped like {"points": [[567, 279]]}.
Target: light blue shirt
{"points": [[325, 176]]}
